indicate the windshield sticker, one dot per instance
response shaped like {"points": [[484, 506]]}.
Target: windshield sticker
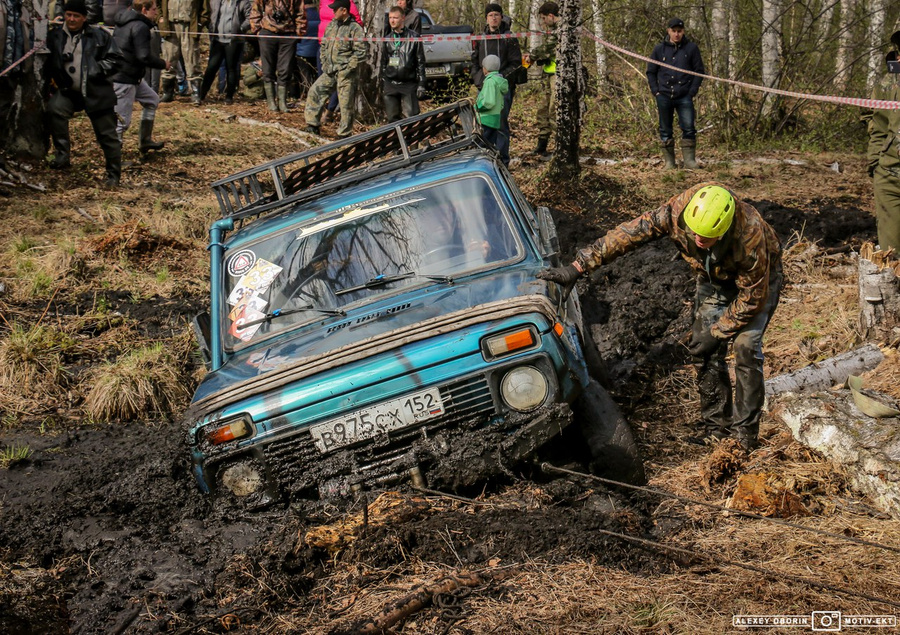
{"points": [[248, 315], [255, 282], [241, 262], [252, 303]]}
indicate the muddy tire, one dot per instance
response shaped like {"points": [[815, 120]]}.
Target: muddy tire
{"points": [[608, 440]]}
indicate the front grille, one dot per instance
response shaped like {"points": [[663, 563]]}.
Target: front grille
{"points": [[298, 465]]}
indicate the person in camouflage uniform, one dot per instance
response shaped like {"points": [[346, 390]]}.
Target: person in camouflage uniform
{"points": [[182, 20], [275, 21], [340, 57], [545, 56], [737, 262], [884, 153]]}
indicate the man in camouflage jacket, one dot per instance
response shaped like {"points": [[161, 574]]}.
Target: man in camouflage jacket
{"points": [[545, 57], [341, 54], [738, 284], [884, 153], [180, 22], [275, 20]]}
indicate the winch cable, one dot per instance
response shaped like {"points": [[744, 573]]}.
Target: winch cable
{"points": [[769, 573], [548, 468]]}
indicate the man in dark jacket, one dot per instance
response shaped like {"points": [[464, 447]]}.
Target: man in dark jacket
{"points": [[403, 69], [510, 54], [736, 258], [82, 57], [675, 92], [132, 36], [229, 19]]}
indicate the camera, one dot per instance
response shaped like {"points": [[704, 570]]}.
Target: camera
{"points": [[279, 16], [68, 57]]}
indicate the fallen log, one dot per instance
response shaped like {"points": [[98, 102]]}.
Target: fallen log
{"points": [[825, 374], [422, 596], [866, 449]]}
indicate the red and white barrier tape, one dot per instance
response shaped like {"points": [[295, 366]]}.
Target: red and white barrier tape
{"points": [[425, 39], [37, 45], [875, 104]]}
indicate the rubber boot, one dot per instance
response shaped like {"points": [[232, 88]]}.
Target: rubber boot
{"points": [[195, 92], [270, 96], [108, 138], [668, 152], [59, 131], [688, 151], [541, 149], [147, 142], [168, 90], [282, 98]]}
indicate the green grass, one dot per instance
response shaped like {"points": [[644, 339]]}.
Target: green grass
{"points": [[13, 454]]}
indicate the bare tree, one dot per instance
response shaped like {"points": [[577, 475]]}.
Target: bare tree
{"points": [[771, 49], [569, 92], [22, 129], [876, 39], [534, 25], [599, 31], [843, 58]]}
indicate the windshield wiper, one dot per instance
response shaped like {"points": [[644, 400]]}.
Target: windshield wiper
{"points": [[277, 313], [447, 279], [378, 281]]}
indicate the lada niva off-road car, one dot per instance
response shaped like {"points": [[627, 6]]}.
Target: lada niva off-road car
{"points": [[375, 316]]}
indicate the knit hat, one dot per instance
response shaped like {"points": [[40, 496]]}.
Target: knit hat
{"points": [[492, 7], [676, 23], [490, 63], [75, 6]]}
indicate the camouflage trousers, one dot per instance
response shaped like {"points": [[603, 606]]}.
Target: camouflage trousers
{"points": [[887, 207], [345, 81], [546, 105], [188, 46]]}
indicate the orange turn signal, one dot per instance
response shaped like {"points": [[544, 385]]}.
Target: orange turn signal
{"points": [[228, 432], [558, 328], [509, 342]]}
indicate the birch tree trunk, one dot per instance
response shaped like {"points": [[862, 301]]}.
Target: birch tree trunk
{"points": [[771, 34], [569, 93], [732, 40], [368, 96], [599, 49], [845, 44], [720, 24], [23, 130], [534, 25], [877, 9]]}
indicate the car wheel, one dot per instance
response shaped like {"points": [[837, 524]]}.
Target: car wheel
{"points": [[608, 440]]}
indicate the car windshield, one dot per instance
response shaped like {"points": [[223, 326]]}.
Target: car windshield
{"points": [[428, 235]]}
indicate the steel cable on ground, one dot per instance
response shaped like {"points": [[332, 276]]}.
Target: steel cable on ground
{"points": [[547, 467], [776, 575]]}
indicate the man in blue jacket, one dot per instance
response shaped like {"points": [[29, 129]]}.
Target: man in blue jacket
{"points": [[675, 92]]}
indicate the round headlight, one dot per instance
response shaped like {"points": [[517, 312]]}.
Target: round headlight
{"points": [[524, 388], [242, 479]]}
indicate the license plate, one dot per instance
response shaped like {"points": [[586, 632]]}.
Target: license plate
{"points": [[443, 69], [383, 417]]}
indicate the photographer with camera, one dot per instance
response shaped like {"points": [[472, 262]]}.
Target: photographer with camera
{"points": [[82, 58], [275, 21]]}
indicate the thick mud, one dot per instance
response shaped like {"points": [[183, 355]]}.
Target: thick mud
{"points": [[104, 531]]}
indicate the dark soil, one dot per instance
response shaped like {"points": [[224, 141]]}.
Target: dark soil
{"points": [[109, 524]]}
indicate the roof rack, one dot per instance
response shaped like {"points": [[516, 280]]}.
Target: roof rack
{"points": [[272, 185]]}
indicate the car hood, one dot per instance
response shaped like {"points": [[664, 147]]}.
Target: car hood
{"points": [[367, 322]]}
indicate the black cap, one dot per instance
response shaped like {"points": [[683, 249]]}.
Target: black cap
{"points": [[339, 4], [75, 6], [676, 23], [492, 7]]}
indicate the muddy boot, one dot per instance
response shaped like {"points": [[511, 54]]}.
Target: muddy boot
{"points": [[541, 149], [168, 91], [105, 130], [688, 149], [147, 142], [668, 152], [270, 96], [59, 131], [195, 92], [282, 98]]}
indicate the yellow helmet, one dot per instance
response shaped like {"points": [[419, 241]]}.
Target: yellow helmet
{"points": [[710, 211]]}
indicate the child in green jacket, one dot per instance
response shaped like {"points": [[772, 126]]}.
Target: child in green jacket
{"points": [[489, 105]]}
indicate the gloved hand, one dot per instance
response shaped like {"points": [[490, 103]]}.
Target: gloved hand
{"points": [[561, 275], [421, 92], [703, 343]]}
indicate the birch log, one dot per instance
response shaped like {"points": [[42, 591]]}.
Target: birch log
{"points": [[879, 296], [825, 374]]}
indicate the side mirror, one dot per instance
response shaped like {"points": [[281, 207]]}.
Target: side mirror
{"points": [[201, 323], [547, 232]]}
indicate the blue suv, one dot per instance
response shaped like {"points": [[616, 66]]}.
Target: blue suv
{"points": [[375, 317]]}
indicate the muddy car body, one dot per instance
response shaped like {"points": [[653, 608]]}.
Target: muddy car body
{"points": [[384, 329]]}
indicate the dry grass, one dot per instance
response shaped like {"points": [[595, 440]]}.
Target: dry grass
{"points": [[32, 373], [143, 383]]}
